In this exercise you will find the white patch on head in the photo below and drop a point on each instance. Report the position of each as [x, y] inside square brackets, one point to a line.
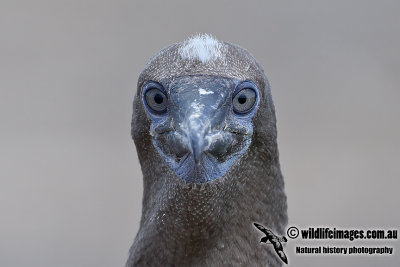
[205, 92]
[202, 47]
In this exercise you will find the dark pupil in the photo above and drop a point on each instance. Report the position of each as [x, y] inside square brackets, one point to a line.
[242, 99]
[158, 98]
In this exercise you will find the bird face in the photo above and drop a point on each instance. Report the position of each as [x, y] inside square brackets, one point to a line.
[200, 124]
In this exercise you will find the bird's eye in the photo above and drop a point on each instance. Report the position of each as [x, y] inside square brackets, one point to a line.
[156, 100]
[244, 100]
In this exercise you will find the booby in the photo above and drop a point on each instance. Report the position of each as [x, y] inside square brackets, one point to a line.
[205, 132]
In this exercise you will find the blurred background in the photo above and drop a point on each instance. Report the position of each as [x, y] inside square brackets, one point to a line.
[70, 182]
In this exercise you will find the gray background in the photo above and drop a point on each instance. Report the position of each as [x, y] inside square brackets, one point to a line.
[70, 183]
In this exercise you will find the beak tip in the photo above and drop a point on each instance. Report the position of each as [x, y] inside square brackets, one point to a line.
[197, 149]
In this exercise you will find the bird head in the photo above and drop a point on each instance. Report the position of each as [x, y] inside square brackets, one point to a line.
[197, 106]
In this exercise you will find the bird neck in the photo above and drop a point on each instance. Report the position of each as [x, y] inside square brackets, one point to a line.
[192, 220]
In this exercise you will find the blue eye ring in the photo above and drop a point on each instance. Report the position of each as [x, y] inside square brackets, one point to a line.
[155, 97]
[244, 98]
